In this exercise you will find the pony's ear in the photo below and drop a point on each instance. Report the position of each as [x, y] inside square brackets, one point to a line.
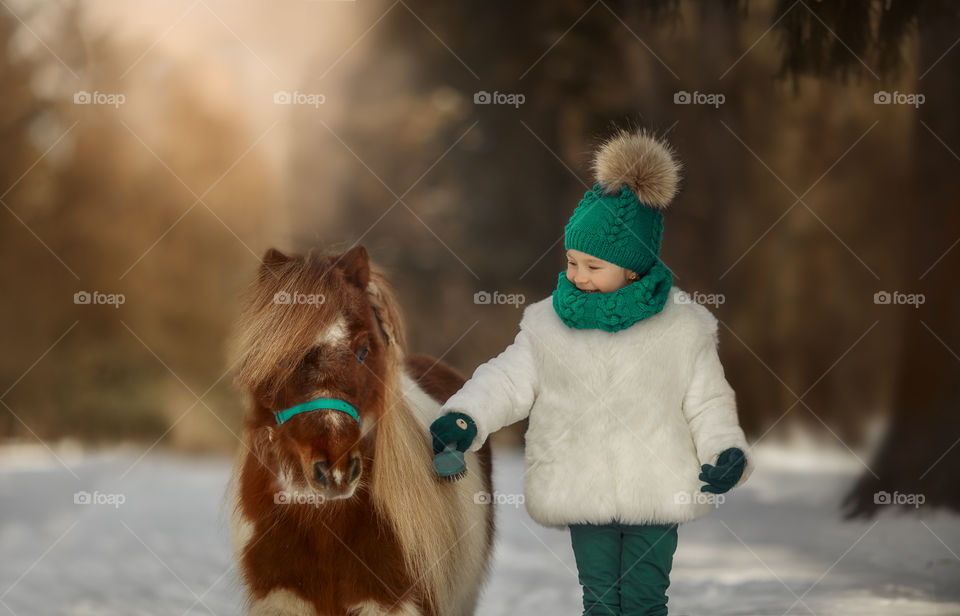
[274, 258]
[356, 266]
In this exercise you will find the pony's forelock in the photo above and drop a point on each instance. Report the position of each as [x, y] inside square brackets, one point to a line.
[273, 334]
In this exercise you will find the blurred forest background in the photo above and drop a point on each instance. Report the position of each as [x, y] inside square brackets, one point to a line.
[804, 195]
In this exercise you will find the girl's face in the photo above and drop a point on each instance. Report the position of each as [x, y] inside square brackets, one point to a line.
[594, 275]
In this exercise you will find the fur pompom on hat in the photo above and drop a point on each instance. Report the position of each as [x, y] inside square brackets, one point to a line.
[620, 220]
[642, 162]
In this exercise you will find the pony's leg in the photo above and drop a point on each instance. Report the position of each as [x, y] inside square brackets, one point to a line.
[281, 602]
[371, 608]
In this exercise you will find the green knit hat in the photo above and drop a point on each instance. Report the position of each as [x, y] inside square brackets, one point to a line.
[620, 219]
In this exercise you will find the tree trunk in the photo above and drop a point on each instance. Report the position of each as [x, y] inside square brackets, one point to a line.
[920, 454]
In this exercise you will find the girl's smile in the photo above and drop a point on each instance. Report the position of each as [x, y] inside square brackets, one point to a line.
[593, 275]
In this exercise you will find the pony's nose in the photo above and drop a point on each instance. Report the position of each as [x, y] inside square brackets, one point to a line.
[355, 469]
[320, 474]
[337, 477]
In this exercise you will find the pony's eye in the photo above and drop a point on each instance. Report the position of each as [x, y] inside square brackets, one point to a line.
[363, 353]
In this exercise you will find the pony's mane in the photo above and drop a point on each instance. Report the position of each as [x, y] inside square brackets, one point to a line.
[385, 305]
[404, 487]
[405, 492]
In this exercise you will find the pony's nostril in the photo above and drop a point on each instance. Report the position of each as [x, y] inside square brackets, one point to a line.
[355, 469]
[320, 473]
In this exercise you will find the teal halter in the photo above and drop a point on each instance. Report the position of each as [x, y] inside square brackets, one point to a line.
[333, 404]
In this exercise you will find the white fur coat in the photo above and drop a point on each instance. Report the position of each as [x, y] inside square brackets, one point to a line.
[620, 422]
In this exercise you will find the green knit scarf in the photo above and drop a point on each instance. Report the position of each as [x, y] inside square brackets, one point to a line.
[616, 310]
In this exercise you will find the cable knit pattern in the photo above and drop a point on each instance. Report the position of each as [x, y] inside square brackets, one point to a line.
[616, 310]
[617, 224]
[616, 227]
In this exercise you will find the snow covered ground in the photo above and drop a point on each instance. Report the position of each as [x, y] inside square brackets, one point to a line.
[154, 541]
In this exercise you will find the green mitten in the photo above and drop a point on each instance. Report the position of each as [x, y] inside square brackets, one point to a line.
[457, 428]
[725, 474]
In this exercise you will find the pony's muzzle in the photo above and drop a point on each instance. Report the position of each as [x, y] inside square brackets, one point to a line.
[337, 478]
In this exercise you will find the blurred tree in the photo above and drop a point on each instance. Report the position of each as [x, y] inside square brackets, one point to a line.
[919, 454]
[915, 456]
[93, 209]
[22, 113]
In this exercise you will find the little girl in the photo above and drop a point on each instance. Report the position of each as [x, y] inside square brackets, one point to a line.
[631, 418]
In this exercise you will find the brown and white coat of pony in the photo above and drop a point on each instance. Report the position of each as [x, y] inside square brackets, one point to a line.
[328, 517]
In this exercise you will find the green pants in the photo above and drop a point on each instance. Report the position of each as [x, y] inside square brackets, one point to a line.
[624, 569]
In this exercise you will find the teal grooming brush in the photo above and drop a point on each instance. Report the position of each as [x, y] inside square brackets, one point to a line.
[452, 435]
[449, 463]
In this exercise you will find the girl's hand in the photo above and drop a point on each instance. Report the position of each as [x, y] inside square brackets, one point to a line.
[725, 474]
[456, 428]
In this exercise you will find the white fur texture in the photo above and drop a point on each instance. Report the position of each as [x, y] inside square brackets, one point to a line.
[335, 335]
[619, 422]
[369, 608]
[281, 602]
[241, 527]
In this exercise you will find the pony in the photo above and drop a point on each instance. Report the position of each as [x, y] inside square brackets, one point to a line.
[334, 505]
